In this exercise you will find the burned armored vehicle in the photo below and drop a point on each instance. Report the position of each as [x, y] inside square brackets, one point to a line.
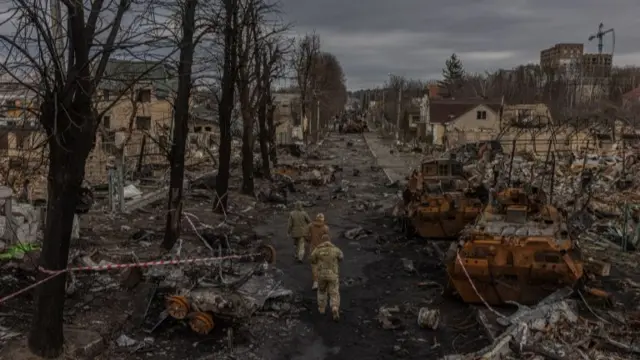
[438, 202]
[237, 298]
[518, 250]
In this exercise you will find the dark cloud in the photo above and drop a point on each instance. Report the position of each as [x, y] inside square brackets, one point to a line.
[373, 38]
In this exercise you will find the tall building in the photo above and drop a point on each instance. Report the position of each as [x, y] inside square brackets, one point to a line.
[561, 57]
[570, 59]
[596, 65]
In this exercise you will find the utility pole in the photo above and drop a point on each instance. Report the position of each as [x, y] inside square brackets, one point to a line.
[317, 120]
[303, 122]
[383, 118]
[399, 112]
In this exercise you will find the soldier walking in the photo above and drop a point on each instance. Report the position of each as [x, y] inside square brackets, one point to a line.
[298, 226]
[327, 257]
[317, 229]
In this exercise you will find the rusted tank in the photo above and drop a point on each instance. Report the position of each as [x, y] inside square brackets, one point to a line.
[356, 127]
[438, 202]
[518, 250]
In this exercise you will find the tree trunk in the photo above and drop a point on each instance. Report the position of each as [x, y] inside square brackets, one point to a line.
[226, 105]
[303, 114]
[273, 154]
[263, 137]
[224, 161]
[247, 157]
[180, 128]
[66, 172]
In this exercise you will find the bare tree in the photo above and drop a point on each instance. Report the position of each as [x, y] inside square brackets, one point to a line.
[226, 100]
[67, 64]
[271, 61]
[305, 55]
[330, 89]
[399, 92]
[181, 123]
[247, 84]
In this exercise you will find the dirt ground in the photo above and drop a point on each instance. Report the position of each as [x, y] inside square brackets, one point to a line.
[381, 269]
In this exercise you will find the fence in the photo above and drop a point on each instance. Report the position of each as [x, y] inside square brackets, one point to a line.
[144, 160]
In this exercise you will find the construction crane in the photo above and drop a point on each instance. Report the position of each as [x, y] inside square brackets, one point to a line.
[600, 35]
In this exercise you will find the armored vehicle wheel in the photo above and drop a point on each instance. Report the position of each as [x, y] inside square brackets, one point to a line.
[449, 289]
[177, 306]
[268, 253]
[409, 230]
[201, 323]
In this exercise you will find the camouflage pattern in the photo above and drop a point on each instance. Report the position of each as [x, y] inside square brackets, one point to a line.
[326, 258]
[329, 291]
[317, 231]
[298, 244]
[298, 226]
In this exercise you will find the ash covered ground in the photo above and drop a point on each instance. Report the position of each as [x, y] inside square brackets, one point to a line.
[382, 273]
[385, 279]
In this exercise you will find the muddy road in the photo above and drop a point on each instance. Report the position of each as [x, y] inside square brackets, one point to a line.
[381, 269]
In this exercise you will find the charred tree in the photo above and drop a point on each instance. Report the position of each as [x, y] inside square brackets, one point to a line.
[248, 78]
[271, 129]
[263, 134]
[273, 66]
[247, 158]
[70, 121]
[304, 57]
[226, 102]
[258, 52]
[181, 125]
[67, 160]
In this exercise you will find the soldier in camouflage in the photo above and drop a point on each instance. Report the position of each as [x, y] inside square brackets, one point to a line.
[326, 258]
[317, 229]
[298, 222]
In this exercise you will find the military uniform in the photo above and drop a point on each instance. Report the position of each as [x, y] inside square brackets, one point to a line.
[327, 257]
[298, 222]
[317, 229]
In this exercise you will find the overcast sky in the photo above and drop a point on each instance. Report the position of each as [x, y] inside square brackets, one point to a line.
[373, 38]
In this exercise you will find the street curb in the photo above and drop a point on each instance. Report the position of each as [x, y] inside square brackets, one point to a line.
[376, 157]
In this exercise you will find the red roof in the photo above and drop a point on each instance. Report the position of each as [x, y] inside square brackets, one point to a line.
[442, 111]
[633, 94]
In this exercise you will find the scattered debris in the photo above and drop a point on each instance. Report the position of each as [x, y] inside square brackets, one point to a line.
[429, 318]
[356, 233]
[387, 320]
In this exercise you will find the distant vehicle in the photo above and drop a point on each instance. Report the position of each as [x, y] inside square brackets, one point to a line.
[438, 202]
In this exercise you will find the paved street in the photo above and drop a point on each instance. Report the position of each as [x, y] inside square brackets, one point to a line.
[396, 165]
[373, 274]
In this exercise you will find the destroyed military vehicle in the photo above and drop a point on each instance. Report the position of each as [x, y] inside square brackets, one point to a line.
[518, 250]
[355, 126]
[438, 202]
[232, 300]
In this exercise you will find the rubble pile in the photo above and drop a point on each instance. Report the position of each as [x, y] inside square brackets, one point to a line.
[596, 199]
[301, 173]
[554, 330]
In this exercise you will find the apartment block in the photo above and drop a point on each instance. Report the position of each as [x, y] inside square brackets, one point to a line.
[561, 56]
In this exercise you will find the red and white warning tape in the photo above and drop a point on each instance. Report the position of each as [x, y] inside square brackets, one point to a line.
[148, 264]
[54, 273]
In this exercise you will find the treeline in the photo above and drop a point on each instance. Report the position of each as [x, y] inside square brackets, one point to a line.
[524, 84]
